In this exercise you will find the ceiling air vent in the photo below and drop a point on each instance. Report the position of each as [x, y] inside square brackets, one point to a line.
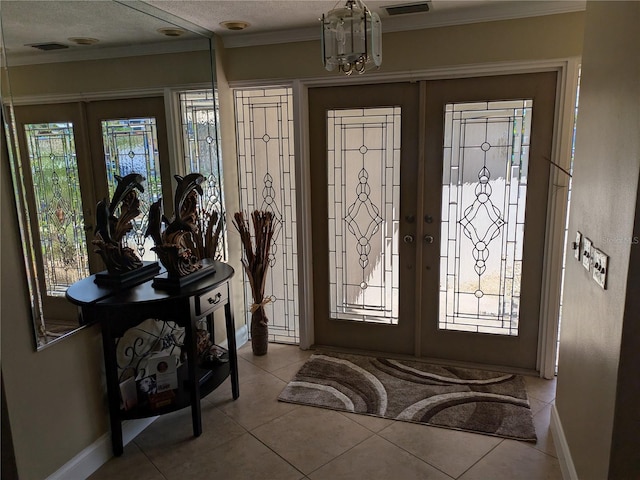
[47, 46]
[417, 7]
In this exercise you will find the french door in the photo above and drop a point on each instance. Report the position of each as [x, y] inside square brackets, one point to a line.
[428, 236]
[75, 151]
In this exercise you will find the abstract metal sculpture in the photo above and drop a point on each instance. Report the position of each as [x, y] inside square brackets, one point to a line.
[111, 230]
[191, 236]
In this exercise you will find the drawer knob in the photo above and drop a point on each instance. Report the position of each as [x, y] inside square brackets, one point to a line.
[214, 300]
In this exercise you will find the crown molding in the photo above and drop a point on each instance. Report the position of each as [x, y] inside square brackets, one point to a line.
[500, 11]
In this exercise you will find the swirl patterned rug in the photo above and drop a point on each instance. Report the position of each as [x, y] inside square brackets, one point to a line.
[459, 398]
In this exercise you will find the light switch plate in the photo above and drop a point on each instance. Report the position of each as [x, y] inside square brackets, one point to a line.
[577, 250]
[586, 253]
[600, 267]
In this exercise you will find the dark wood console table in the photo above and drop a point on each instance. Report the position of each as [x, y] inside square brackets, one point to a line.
[117, 310]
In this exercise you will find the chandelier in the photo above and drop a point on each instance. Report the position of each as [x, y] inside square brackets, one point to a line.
[351, 38]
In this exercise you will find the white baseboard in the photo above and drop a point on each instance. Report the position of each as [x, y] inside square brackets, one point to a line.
[562, 447]
[99, 452]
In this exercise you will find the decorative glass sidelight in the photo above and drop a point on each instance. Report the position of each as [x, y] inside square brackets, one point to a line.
[486, 159]
[58, 205]
[364, 206]
[131, 146]
[200, 119]
[266, 173]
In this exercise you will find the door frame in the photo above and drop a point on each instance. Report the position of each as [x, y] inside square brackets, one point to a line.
[567, 70]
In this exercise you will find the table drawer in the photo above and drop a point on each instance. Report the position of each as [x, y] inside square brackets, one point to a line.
[212, 299]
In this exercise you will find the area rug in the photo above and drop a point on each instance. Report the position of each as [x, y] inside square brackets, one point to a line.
[476, 401]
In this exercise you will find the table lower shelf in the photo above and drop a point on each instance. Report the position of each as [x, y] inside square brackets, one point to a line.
[210, 379]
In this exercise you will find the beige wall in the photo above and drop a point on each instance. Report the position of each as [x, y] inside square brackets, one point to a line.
[130, 73]
[603, 207]
[546, 37]
[67, 412]
[55, 397]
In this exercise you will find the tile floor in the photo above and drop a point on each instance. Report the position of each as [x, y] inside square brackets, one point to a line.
[257, 437]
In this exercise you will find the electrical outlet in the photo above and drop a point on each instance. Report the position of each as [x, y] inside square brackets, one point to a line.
[577, 246]
[586, 253]
[600, 266]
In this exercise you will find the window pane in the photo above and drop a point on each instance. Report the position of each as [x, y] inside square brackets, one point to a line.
[131, 146]
[200, 133]
[54, 169]
[364, 205]
[486, 157]
[266, 168]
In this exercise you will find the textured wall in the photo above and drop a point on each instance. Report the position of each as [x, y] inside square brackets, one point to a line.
[603, 205]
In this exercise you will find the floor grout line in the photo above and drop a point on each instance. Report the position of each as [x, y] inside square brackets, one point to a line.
[482, 457]
[279, 456]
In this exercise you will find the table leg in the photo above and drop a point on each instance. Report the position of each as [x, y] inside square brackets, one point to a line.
[113, 390]
[192, 362]
[231, 342]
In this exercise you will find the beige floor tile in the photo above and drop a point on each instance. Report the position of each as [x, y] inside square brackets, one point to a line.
[542, 420]
[247, 370]
[242, 458]
[512, 460]
[309, 437]
[536, 405]
[258, 402]
[170, 441]
[541, 389]
[451, 451]
[288, 372]
[377, 459]
[132, 464]
[277, 357]
[258, 437]
[375, 424]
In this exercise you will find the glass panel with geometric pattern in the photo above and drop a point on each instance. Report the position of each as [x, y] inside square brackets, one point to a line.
[54, 170]
[266, 175]
[363, 148]
[131, 146]
[200, 133]
[484, 191]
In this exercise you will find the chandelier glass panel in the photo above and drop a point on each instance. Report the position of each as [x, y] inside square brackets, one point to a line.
[351, 38]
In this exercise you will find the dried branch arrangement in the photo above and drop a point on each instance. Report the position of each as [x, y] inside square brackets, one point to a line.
[256, 257]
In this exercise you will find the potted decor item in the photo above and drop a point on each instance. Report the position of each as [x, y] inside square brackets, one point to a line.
[255, 261]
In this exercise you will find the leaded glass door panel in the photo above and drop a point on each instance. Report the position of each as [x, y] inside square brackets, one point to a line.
[53, 142]
[129, 136]
[488, 144]
[364, 159]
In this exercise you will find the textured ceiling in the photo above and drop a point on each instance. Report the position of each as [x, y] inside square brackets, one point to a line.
[133, 23]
